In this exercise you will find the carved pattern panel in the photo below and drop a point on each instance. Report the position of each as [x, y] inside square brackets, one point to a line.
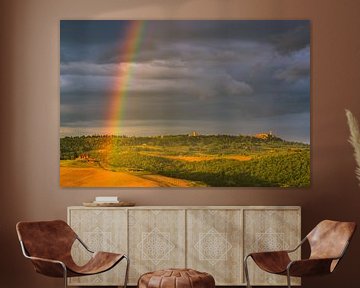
[214, 241]
[270, 230]
[209, 239]
[101, 230]
[157, 240]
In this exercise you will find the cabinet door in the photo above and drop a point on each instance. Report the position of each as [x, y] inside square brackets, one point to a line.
[270, 230]
[156, 240]
[101, 230]
[214, 244]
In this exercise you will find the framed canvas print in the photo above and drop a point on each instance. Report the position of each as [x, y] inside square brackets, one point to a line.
[215, 103]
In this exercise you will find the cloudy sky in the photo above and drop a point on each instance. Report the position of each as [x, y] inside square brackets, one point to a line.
[214, 77]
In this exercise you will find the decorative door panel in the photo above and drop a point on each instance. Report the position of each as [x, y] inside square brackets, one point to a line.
[101, 230]
[270, 230]
[156, 240]
[214, 244]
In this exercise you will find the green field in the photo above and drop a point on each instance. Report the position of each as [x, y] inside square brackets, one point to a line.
[205, 160]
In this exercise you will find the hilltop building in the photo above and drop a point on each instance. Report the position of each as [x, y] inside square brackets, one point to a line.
[264, 136]
[194, 134]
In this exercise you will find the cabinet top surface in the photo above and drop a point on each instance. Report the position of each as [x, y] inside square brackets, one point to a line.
[192, 207]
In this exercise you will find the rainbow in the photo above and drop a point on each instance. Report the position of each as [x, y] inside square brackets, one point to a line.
[132, 41]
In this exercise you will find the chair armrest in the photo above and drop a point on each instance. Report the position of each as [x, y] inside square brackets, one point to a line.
[84, 245]
[280, 251]
[271, 261]
[268, 254]
[298, 246]
[309, 267]
[45, 260]
[48, 267]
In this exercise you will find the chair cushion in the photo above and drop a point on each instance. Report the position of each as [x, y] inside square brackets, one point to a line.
[176, 278]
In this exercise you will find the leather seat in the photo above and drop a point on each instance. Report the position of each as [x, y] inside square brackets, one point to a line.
[48, 245]
[328, 242]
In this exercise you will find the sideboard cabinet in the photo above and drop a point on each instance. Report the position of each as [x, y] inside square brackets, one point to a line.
[211, 239]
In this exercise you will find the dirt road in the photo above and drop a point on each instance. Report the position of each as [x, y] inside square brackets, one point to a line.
[98, 177]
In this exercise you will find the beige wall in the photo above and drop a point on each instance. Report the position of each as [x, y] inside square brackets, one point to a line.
[29, 119]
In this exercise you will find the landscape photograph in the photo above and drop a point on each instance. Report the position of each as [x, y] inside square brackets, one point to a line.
[185, 103]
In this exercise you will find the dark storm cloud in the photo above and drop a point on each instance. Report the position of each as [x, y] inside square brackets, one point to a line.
[81, 108]
[102, 40]
[253, 73]
[86, 39]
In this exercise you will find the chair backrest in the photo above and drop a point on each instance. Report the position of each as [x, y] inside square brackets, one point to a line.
[46, 239]
[329, 239]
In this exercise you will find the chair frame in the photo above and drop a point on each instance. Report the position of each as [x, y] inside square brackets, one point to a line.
[26, 255]
[288, 276]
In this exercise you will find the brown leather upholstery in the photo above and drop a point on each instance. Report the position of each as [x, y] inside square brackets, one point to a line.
[53, 240]
[328, 242]
[272, 262]
[176, 278]
[328, 239]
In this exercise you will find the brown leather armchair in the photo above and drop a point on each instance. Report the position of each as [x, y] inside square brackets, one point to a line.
[48, 245]
[328, 242]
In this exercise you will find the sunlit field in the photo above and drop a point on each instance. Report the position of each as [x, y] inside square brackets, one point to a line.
[183, 161]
